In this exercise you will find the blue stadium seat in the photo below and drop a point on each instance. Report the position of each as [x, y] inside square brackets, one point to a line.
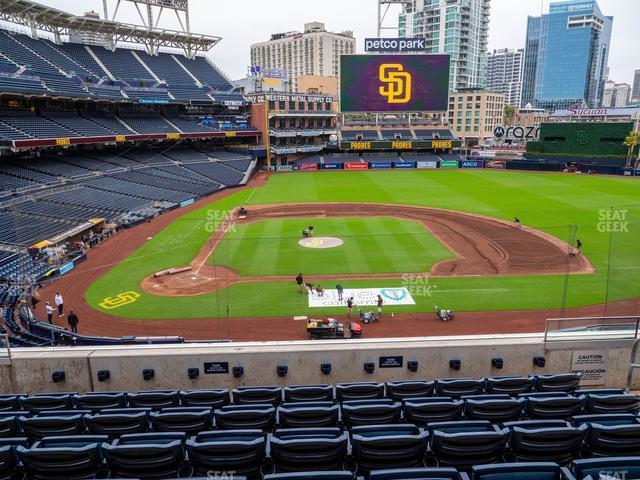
[240, 451]
[308, 393]
[96, 401]
[518, 471]
[459, 387]
[509, 385]
[115, 423]
[257, 395]
[616, 467]
[308, 449]
[545, 441]
[210, 398]
[421, 411]
[416, 474]
[190, 420]
[407, 390]
[371, 412]
[234, 417]
[359, 391]
[308, 414]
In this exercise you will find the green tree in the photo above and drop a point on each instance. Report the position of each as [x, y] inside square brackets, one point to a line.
[509, 115]
[632, 141]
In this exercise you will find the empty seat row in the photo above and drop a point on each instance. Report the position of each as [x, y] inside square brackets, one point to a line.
[448, 450]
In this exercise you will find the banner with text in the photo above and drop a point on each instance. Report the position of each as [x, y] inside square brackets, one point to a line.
[362, 297]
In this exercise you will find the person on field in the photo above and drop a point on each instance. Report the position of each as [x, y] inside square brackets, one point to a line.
[320, 291]
[517, 224]
[579, 246]
[72, 320]
[350, 304]
[49, 309]
[309, 287]
[380, 302]
[59, 303]
[340, 291]
[300, 282]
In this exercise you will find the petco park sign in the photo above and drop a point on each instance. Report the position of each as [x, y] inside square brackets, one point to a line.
[395, 45]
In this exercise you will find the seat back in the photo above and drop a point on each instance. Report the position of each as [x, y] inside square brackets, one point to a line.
[462, 450]
[100, 401]
[617, 403]
[8, 462]
[371, 412]
[40, 403]
[553, 407]
[496, 411]
[10, 403]
[240, 451]
[50, 426]
[308, 414]
[421, 411]
[509, 385]
[154, 399]
[612, 440]
[359, 391]
[145, 456]
[233, 417]
[400, 391]
[257, 396]
[116, 424]
[415, 474]
[459, 387]
[518, 471]
[212, 398]
[554, 444]
[377, 447]
[189, 422]
[616, 467]
[9, 425]
[67, 462]
[308, 393]
[562, 382]
[300, 449]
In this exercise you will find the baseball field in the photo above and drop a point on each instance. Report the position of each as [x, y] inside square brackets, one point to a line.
[447, 237]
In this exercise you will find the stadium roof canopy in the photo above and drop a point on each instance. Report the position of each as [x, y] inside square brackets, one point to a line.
[49, 19]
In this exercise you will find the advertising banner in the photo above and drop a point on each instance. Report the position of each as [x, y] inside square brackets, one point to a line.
[286, 168]
[187, 202]
[404, 165]
[67, 267]
[308, 166]
[331, 166]
[394, 83]
[356, 166]
[374, 165]
[499, 164]
[449, 164]
[428, 164]
[473, 164]
[362, 297]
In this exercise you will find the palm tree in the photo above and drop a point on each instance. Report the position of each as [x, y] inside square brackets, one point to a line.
[632, 140]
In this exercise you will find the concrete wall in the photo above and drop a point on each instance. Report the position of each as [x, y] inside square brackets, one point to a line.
[30, 370]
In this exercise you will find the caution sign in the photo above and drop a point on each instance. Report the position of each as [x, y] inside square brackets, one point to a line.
[592, 364]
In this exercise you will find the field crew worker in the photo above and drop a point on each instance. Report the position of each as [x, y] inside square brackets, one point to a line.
[72, 320]
[300, 282]
[380, 302]
[49, 309]
[349, 307]
[59, 303]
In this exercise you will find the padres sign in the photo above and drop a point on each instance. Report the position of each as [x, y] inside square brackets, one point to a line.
[396, 83]
[119, 300]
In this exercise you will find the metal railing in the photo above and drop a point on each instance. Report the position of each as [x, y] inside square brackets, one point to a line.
[5, 350]
[591, 328]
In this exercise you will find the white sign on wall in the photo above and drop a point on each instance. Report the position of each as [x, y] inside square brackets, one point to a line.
[362, 297]
[592, 364]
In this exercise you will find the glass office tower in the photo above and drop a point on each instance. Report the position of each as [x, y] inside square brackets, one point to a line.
[566, 57]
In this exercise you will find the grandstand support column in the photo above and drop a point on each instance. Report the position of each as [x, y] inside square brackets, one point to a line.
[267, 140]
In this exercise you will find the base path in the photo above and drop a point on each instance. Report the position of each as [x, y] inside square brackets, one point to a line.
[482, 245]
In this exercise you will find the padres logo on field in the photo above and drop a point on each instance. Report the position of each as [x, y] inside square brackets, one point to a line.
[397, 82]
[119, 300]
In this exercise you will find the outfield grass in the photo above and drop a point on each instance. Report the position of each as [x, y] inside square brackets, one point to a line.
[566, 206]
[371, 245]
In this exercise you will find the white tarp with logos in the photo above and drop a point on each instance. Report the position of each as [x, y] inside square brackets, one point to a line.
[592, 364]
[362, 297]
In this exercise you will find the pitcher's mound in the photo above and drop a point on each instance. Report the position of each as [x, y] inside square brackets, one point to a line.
[321, 242]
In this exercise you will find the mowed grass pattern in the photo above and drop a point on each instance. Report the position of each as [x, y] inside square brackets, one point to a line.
[371, 245]
[566, 206]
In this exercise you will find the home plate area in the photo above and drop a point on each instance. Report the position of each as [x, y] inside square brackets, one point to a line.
[361, 297]
[321, 242]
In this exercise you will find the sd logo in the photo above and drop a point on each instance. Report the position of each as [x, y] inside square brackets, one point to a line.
[398, 83]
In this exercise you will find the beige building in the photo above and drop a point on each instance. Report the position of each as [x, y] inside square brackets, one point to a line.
[314, 52]
[473, 115]
[318, 84]
[530, 117]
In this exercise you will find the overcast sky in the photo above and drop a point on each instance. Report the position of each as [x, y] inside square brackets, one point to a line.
[243, 22]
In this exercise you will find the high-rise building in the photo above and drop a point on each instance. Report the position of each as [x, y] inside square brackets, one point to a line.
[635, 93]
[473, 115]
[504, 74]
[314, 52]
[566, 56]
[457, 27]
[616, 95]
